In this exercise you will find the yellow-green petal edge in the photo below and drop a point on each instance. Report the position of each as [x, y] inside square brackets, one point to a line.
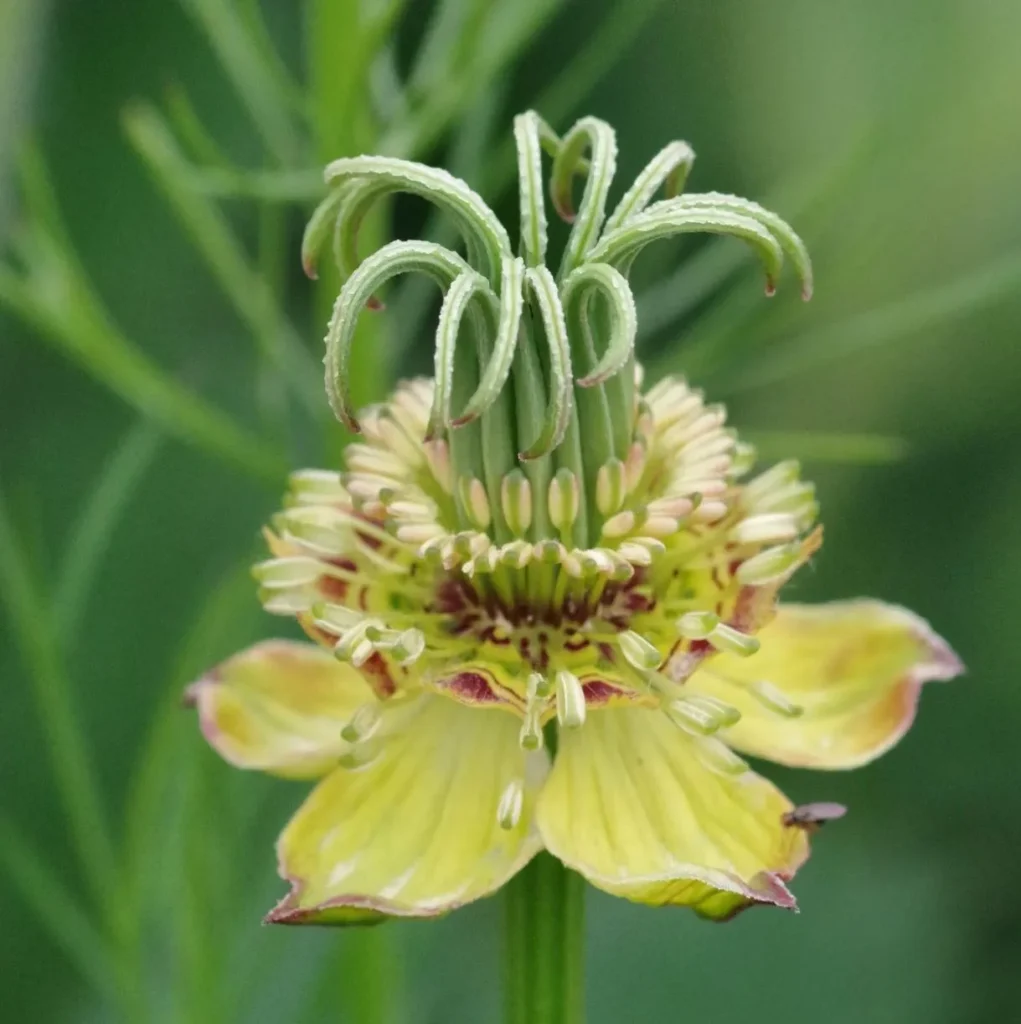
[632, 805]
[414, 832]
[855, 668]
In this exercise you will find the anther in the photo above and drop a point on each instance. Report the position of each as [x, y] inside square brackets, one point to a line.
[564, 496]
[703, 715]
[769, 566]
[364, 722]
[296, 571]
[610, 487]
[638, 651]
[516, 500]
[570, 700]
[743, 459]
[361, 754]
[718, 757]
[316, 486]
[731, 641]
[475, 501]
[619, 525]
[774, 479]
[512, 800]
[774, 700]
[766, 528]
[697, 625]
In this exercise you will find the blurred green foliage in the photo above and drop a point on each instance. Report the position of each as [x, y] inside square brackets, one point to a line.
[887, 132]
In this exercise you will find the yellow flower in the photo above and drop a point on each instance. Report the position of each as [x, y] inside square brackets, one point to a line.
[560, 649]
[458, 651]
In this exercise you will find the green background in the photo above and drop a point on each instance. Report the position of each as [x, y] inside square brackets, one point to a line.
[888, 132]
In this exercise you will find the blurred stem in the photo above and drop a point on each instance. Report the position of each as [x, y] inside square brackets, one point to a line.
[544, 914]
[340, 48]
[69, 757]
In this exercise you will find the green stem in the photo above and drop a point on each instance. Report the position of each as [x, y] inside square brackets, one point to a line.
[544, 933]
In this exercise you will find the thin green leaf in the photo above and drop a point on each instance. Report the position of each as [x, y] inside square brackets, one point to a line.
[476, 220]
[582, 72]
[509, 27]
[393, 259]
[93, 530]
[209, 638]
[620, 247]
[285, 187]
[889, 323]
[64, 310]
[256, 80]
[33, 627]
[819, 446]
[542, 287]
[600, 139]
[59, 913]
[197, 140]
[209, 230]
[613, 286]
[669, 169]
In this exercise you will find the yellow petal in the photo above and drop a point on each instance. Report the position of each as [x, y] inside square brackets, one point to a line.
[280, 707]
[631, 805]
[414, 832]
[854, 667]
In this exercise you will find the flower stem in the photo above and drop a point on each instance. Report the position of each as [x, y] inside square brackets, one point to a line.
[544, 909]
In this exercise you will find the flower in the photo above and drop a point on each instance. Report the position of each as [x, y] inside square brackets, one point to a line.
[545, 606]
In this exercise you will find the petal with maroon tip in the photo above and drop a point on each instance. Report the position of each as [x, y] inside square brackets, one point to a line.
[832, 686]
[279, 707]
[416, 831]
[633, 806]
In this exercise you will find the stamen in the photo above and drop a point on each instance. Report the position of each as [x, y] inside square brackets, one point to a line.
[530, 737]
[570, 700]
[773, 480]
[703, 715]
[638, 651]
[697, 625]
[718, 757]
[361, 754]
[295, 571]
[731, 641]
[774, 700]
[743, 459]
[437, 455]
[610, 487]
[516, 500]
[564, 502]
[768, 528]
[769, 566]
[512, 800]
[316, 486]
[475, 502]
[364, 722]
[620, 524]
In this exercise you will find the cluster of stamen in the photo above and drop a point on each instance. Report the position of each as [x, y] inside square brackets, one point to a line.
[373, 562]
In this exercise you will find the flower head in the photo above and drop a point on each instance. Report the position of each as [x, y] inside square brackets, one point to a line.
[545, 602]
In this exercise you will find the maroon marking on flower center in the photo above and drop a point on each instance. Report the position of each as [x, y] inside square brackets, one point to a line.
[471, 687]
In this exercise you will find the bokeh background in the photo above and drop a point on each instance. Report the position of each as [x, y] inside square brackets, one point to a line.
[151, 333]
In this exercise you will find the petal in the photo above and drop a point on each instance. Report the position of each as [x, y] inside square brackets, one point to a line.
[415, 831]
[632, 805]
[280, 707]
[855, 667]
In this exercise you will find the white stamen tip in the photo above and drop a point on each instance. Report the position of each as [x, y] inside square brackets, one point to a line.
[512, 800]
[570, 700]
